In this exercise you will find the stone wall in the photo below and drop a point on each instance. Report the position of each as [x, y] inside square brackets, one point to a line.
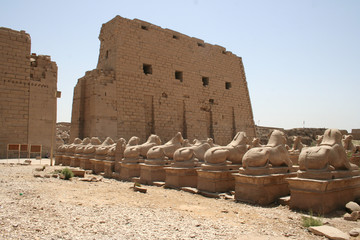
[28, 87]
[153, 80]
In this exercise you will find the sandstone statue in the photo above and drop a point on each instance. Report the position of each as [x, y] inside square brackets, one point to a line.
[329, 155]
[104, 147]
[117, 149]
[137, 151]
[133, 141]
[347, 143]
[80, 148]
[255, 143]
[92, 146]
[193, 153]
[297, 146]
[70, 149]
[168, 149]
[274, 154]
[233, 152]
[319, 139]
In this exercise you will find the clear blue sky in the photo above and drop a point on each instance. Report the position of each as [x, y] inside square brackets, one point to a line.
[301, 57]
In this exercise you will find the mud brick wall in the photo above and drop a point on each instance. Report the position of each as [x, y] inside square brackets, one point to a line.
[28, 84]
[163, 82]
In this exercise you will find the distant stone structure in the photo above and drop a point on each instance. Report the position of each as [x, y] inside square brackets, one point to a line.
[151, 80]
[28, 90]
[355, 133]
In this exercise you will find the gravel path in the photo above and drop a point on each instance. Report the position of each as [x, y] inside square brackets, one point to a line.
[51, 208]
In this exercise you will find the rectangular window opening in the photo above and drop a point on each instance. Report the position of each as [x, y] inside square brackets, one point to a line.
[143, 27]
[147, 68]
[201, 44]
[179, 75]
[205, 81]
[175, 37]
[228, 85]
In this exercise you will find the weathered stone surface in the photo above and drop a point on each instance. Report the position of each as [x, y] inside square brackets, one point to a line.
[329, 232]
[354, 232]
[352, 206]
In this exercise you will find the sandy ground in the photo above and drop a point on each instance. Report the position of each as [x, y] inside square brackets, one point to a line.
[51, 208]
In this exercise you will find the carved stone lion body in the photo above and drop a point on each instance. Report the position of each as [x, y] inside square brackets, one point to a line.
[168, 149]
[233, 152]
[329, 155]
[274, 153]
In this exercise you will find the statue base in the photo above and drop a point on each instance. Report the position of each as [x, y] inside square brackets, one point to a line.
[58, 159]
[215, 181]
[151, 173]
[74, 161]
[109, 168]
[323, 196]
[117, 166]
[263, 189]
[180, 177]
[85, 163]
[66, 160]
[97, 166]
[129, 170]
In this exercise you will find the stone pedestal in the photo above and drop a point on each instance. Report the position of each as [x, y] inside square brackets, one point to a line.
[58, 159]
[117, 166]
[97, 166]
[180, 177]
[151, 173]
[108, 168]
[263, 189]
[66, 160]
[129, 170]
[323, 196]
[215, 181]
[72, 161]
[85, 163]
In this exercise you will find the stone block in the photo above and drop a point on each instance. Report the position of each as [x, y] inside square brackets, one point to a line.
[151, 173]
[180, 177]
[58, 159]
[323, 196]
[97, 166]
[85, 163]
[262, 190]
[129, 170]
[66, 160]
[215, 181]
[78, 172]
[109, 169]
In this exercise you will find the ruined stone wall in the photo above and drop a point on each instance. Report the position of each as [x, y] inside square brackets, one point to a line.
[27, 93]
[166, 82]
[94, 105]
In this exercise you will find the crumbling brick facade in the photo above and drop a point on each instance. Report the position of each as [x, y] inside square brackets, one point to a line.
[153, 80]
[28, 87]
